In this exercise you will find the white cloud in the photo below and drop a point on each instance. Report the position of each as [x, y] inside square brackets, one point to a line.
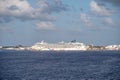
[45, 25]
[21, 9]
[108, 21]
[15, 8]
[99, 10]
[85, 19]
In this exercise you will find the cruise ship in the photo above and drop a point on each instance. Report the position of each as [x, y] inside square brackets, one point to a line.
[61, 46]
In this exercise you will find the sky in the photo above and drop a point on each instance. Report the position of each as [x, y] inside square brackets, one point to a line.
[25, 22]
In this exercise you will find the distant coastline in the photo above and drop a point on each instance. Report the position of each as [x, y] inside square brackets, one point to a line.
[61, 46]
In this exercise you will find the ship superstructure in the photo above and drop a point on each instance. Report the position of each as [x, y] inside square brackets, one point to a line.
[43, 46]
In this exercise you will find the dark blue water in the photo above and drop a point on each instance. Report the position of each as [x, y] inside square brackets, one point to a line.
[84, 65]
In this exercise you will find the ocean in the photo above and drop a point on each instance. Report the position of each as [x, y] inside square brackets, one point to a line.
[59, 65]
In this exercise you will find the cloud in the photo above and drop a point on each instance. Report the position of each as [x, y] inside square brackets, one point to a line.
[85, 19]
[22, 10]
[45, 25]
[114, 2]
[108, 21]
[14, 9]
[52, 5]
[99, 9]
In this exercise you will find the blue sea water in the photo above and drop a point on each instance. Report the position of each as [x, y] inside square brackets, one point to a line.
[62, 65]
